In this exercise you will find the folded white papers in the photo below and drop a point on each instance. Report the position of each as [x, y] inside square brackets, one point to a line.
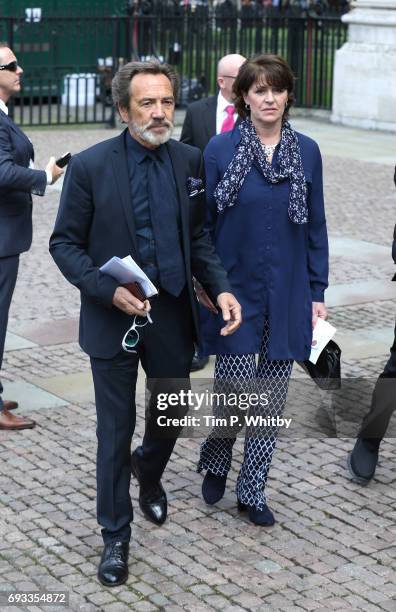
[126, 270]
[322, 333]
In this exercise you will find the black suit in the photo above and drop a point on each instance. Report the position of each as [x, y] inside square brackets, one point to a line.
[383, 402]
[96, 221]
[200, 122]
[17, 183]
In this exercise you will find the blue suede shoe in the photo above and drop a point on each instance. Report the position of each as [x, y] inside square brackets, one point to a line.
[262, 517]
[213, 487]
[363, 459]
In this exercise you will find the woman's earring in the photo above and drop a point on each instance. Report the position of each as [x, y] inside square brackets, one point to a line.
[247, 107]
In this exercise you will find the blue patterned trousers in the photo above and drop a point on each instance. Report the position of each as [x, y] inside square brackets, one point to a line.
[240, 374]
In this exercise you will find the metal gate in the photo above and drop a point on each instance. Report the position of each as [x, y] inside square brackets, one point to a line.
[69, 61]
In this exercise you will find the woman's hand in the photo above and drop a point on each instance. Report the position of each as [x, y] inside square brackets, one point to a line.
[203, 297]
[319, 311]
[231, 310]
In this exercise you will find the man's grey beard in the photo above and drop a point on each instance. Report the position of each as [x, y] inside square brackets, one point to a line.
[144, 132]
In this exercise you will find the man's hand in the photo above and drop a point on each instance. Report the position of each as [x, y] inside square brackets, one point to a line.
[318, 312]
[231, 311]
[203, 297]
[54, 170]
[128, 303]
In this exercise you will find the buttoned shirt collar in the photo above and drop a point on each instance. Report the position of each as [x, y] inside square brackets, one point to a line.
[3, 106]
[140, 152]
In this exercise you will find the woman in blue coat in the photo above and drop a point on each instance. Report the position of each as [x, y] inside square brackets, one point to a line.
[266, 215]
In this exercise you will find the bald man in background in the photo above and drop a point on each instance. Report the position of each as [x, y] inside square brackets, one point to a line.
[210, 116]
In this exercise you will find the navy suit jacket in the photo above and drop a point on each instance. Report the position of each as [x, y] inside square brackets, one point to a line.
[17, 183]
[95, 222]
[200, 122]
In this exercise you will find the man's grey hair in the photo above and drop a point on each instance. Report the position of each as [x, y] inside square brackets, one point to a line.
[120, 86]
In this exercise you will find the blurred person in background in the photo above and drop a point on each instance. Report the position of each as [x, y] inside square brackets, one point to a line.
[363, 459]
[210, 116]
[216, 114]
[18, 181]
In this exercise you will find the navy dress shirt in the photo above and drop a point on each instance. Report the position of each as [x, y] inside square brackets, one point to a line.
[139, 160]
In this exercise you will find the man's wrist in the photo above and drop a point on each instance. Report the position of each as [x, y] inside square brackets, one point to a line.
[49, 177]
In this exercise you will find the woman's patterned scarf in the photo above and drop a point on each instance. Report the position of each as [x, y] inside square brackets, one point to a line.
[290, 167]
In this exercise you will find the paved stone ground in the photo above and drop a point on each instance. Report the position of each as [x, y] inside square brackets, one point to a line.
[333, 546]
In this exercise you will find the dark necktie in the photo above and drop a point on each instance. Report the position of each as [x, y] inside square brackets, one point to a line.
[163, 210]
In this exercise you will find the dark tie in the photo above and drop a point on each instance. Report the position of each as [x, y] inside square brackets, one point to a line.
[164, 214]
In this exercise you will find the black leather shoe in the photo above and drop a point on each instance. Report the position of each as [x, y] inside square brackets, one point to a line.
[113, 566]
[363, 459]
[152, 498]
[263, 517]
[198, 363]
[213, 487]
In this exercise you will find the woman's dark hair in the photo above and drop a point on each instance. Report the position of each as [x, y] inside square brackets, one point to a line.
[277, 73]
[120, 84]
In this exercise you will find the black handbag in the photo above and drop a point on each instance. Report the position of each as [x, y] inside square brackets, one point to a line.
[326, 372]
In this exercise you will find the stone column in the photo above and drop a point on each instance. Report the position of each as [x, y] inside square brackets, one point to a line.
[364, 90]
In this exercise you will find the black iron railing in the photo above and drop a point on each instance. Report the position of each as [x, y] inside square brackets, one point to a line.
[69, 62]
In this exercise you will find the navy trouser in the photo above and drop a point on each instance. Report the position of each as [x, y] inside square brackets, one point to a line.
[8, 277]
[383, 402]
[165, 351]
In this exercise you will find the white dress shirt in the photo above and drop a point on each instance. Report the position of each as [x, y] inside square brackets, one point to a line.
[221, 114]
[3, 106]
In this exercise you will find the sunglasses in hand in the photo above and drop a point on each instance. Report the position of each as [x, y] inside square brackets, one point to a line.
[132, 337]
[12, 66]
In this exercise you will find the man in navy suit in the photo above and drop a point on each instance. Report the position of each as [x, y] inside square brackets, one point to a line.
[18, 181]
[140, 194]
[210, 116]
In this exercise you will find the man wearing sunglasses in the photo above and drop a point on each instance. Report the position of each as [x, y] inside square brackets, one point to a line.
[140, 194]
[18, 181]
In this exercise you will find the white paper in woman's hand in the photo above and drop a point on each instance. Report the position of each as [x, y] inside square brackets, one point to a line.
[322, 333]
